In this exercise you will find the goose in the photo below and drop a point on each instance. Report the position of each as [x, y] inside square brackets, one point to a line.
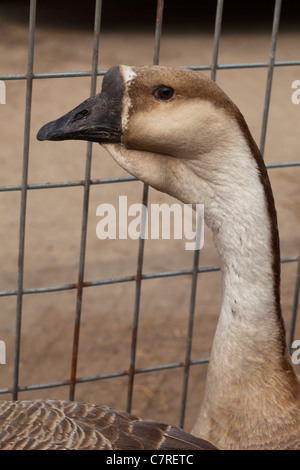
[177, 131]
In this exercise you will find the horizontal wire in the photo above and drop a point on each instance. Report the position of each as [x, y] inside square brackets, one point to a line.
[243, 65]
[283, 164]
[116, 280]
[88, 73]
[67, 184]
[110, 375]
[120, 179]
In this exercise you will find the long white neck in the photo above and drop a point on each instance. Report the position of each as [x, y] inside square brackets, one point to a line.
[250, 329]
[251, 383]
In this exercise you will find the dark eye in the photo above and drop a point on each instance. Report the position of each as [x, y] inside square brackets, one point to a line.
[163, 93]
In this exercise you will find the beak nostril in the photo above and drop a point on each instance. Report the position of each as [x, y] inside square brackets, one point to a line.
[80, 114]
[104, 134]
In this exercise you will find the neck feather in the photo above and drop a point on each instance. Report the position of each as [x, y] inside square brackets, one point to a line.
[248, 243]
[245, 233]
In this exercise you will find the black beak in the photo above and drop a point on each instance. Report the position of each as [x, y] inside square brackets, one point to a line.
[98, 119]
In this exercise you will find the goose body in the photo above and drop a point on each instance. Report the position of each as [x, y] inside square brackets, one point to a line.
[177, 131]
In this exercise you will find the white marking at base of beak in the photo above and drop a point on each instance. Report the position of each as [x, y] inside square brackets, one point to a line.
[128, 75]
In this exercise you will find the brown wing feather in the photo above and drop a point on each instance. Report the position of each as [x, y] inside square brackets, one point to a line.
[49, 424]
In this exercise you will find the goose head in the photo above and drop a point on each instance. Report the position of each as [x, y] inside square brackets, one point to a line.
[172, 128]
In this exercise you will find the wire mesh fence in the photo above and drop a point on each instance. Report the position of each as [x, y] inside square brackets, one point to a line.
[139, 277]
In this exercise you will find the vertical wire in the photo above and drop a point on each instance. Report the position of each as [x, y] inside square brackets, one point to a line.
[29, 78]
[217, 34]
[275, 29]
[295, 306]
[97, 23]
[190, 329]
[138, 276]
[138, 280]
[158, 28]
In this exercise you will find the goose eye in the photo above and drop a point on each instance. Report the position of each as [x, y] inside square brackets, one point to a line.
[163, 93]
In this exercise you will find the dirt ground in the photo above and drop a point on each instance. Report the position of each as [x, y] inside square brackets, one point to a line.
[53, 222]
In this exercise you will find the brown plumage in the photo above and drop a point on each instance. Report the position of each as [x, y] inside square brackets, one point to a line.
[62, 425]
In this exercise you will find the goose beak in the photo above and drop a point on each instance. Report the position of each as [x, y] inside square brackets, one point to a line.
[97, 119]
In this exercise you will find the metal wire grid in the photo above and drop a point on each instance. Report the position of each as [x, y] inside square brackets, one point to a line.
[87, 182]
